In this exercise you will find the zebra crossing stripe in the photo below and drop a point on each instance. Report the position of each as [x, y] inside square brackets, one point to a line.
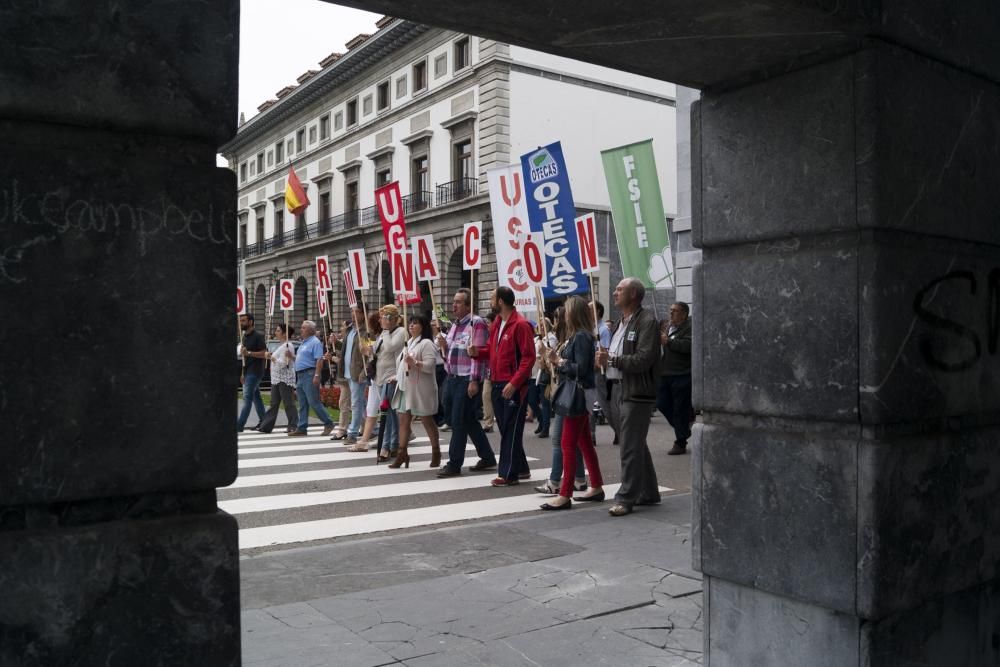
[269, 503]
[272, 479]
[275, 461]
[307, 531]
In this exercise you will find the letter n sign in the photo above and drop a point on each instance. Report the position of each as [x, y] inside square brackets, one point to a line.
[533, 258]
[586, 237]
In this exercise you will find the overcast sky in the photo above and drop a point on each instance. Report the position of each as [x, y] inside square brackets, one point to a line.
[281, 39]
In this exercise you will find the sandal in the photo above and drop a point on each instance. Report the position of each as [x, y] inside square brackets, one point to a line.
[500, 481]
[619, 510]
[358, 447]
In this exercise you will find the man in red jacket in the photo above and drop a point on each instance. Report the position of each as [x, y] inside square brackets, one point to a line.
[512, 356]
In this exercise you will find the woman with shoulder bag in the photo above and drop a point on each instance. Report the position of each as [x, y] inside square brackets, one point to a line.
[371, 403]
[390, 344]
[575, 367]
[416, 390]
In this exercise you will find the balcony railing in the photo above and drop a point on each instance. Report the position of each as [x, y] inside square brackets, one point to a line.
[446, 193]
[457, 190]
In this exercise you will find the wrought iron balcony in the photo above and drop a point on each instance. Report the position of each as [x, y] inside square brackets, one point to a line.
[457, 190]
[417, 201]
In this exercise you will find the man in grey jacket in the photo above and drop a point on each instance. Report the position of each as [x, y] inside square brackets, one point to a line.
[632, 364]
[674, 399]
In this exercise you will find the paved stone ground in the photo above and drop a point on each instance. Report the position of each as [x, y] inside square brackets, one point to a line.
[568, 588]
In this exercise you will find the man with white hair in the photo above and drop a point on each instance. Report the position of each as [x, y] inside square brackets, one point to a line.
[308, 369]
[632, 364]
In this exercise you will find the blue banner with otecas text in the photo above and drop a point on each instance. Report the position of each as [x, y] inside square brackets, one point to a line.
[551, 211]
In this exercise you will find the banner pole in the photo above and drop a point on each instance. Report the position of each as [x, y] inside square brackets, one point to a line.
[434, 308]
[653, 293]
[242, 340]
[593, 307]
[541, 313]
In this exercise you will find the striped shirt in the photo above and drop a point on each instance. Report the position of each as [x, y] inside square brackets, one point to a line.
[470, 330]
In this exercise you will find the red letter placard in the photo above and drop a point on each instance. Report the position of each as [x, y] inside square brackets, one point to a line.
[533, 258]
[359, 268]
[323, 281]
[241, 300]
[403, 282]
[270, 300]
[321, 302]
[586, 237]
[472, 245]
[390, 211]
[286, 290]
[352, 297]
[425, 258]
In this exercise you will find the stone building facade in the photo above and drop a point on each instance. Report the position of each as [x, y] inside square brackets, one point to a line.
[434, 110]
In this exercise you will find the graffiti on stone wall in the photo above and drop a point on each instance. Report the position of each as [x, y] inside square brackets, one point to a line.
[962, 341]
[53, 214]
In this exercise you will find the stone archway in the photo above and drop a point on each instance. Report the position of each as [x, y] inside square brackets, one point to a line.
[844, 177]
[303, 304]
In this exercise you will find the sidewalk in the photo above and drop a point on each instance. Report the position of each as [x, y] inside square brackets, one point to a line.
[567, 588]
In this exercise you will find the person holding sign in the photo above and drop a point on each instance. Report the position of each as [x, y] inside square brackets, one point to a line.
[674, 399]
[416, 390]
[282, 382]
[308, 369]
[254, 351]
[632, 365]
[386, 350]
[512, 356]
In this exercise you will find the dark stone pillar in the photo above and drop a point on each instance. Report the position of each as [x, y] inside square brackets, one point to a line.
[849, 469]
[117, 265]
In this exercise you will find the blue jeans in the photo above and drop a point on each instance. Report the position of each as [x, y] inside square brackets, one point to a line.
[309, 398]
[463, 413]
[251, 396]
[539, 405]
[557, 456]
[390, 439]
[358, 404]
[674, 401]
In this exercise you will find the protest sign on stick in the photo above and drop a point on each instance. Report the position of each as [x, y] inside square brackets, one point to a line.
[286, 299]
[472, 251]
[426, 263]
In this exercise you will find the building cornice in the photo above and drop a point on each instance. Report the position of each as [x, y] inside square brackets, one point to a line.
[459, 118]
[370, 53]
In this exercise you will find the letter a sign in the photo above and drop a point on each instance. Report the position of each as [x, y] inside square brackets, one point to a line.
[472, 246]
[286, 292]
[533, 258]
[586, 237]
[241, 300]
[426, 260]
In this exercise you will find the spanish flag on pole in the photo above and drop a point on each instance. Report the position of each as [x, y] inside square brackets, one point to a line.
[295, 195]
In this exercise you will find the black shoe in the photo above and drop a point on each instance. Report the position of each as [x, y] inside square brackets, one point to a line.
[654, 501]
[564, 506]
[615, 441]
[595, 498]
[543, 434]
[448, 471]
[678, 448]
[482, 465]
[524, 475]
[538, 430]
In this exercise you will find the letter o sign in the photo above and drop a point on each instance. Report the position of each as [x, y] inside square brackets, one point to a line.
[534, 259]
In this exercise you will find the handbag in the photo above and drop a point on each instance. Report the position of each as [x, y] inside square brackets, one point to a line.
[570, 399]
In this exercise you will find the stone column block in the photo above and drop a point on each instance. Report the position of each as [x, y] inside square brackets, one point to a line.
[116, 270]
[161, 67]
[779, 511]
[133, 592]
[794, 303]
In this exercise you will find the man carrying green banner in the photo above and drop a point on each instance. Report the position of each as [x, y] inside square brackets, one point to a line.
[637, 207]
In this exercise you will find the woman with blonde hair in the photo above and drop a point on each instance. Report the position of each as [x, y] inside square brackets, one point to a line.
[372, 401]
[386, 350]
[416, 390]
[575, 367]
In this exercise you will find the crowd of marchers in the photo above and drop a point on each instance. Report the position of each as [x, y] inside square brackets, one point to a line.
[466, 374]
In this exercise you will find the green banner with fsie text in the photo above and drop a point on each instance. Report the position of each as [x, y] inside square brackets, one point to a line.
[640, 224]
